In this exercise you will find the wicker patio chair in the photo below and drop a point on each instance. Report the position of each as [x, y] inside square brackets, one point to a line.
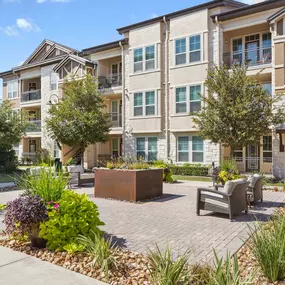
[255, 189]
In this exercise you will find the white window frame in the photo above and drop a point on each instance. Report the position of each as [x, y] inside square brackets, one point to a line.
[175, 54]
[146, 145]
[188, 101]
[187, 38]
[144, 105]
[192, 51]
[53, 76]
[181, 102]
[144, 61]
[12, 84]
[267, 151]
[190, 150]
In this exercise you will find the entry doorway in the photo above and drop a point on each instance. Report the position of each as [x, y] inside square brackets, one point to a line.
[252, 155]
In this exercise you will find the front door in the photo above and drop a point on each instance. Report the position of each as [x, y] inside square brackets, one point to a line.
[32, 146]
[252, 158]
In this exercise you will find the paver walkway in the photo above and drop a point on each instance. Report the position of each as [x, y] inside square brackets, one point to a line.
[172, 219]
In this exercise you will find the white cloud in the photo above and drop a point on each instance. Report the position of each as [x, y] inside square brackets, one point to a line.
[26, 25]
[250, 2]
[10, 31]
[23, 25]
[54, 1]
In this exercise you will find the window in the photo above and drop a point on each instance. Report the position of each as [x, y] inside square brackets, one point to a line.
[238, 154]
[144, 59]
[181, 105]
[138, 104]
[138, 60]
[188, 101]
[115, 148]
[280, 27]
[195, 98]
[266, 48]
[190, 149]
[114, 115]
[237, 51]
[195, 48]
[147, 148]
[197, 149]
[12, 87]
[144, 104]
[149, 58]
[180, 51]
[53, 81]
[267, 149]
[267, 87]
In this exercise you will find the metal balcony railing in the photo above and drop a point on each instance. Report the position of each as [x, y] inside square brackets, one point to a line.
[106, 82]
[250, 57]
[31, 96]
[34, 126]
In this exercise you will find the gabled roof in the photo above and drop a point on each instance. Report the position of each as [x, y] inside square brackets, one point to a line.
[115, 44]
[248, 10]
[72, 57]
[207, 5]
[276, 15]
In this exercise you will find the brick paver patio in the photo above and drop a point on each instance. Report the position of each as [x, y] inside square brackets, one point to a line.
[172, 219]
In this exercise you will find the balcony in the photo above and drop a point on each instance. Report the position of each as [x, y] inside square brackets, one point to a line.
[107, 82]
[250, 57]
[34, 126]
[116, 120]
[29, 96]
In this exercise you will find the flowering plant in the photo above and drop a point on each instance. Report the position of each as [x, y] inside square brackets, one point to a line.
[225, 176]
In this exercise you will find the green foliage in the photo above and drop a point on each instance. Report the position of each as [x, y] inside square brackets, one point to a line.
[201, 275]
[228, 272]
[268, 247]
[2, 207]
[191, 170]
[47, 185]
[102, 251]
[73, 247]
[166, 271]
[168, 176]
[12, 127]
[8, 160]
[70, 161]
[71, 216]
[238, 111]
[43, 157]
[225, 176]
[127, 164]
[79, 119]
[229, 165]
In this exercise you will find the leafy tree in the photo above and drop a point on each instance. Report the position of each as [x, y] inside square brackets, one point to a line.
[78, 119]
[237, 110]
[12, 128]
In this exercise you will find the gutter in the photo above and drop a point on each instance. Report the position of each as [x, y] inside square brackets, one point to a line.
[123, 97]
[166, 45]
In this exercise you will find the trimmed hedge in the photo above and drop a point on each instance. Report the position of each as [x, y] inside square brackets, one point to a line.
[190, 170]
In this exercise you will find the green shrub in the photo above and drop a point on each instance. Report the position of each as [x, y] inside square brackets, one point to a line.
[101, 250]
[268, 247]
[191, 170]
[201, 275]
[229, 165]
[2, 207]
[228, 272]
[166, 271]
[47, 185]
[225, 176]
[71, 216]
[8, 160]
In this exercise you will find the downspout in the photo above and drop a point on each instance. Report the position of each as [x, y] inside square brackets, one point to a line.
[123, 98]
[166, 45]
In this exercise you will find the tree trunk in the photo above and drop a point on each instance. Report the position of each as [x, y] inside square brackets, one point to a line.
[82, 157]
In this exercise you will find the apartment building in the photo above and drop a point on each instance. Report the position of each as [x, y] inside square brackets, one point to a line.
[151, 81]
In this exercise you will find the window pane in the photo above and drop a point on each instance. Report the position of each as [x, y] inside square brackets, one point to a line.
[149, 98]
[138, 99]
[140, 144]
[183, 144]
[149, 110]
[183, 156]
[114, 106]
[237, 45]
[197, 144]
[195, 106]
[138, 54]
[197, 157]
[181, 94]
[149, 64]
[181, 108]
[138, 111]
[152, 144]
[149, 52]
[180, 46]
[180, 59]
[267, 157]
[267, 143]
[141, 155]
[152, 156]
[195, 43]
[138, 66]
[267, 87]
[195, 93]
[195, 56]
[266, 40]
[115, 144]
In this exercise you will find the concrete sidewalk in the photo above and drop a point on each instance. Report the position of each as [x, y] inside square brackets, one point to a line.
[18, 268]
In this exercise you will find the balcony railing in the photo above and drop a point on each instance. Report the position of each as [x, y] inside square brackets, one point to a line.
[34, 126]
[31, 96]
[250, 57]
[106, 82]
[116, 120]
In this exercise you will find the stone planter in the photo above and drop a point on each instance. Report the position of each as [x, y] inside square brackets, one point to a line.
[128, 185]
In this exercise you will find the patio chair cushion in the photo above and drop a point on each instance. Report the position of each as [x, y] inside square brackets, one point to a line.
[231, 185]
[214, 202]
[252, 179]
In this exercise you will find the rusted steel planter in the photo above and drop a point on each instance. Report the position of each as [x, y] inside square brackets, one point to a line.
[128, 185]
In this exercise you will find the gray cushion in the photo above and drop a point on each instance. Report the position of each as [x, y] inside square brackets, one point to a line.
[252, 179]
[231, 185]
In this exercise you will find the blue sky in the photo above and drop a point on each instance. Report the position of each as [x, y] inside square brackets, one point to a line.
[75, 23]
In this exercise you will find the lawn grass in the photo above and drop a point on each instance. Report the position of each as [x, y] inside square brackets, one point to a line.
[192, 178]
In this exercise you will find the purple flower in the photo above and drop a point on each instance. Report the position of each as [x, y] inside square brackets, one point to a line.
[56, 206]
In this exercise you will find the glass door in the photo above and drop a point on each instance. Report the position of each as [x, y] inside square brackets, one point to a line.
[252, 51]
[32, 146]
[252, 158]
